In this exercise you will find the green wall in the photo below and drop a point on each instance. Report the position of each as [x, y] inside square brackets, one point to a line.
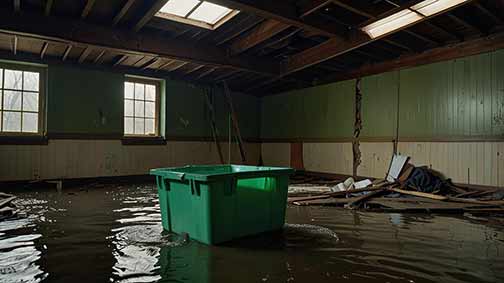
[457, 98]
[90, 102]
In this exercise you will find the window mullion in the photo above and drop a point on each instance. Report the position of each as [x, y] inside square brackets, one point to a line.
[193, 9]
[22, 96]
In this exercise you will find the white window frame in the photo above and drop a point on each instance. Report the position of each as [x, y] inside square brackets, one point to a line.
[42, 70]
[157, 120]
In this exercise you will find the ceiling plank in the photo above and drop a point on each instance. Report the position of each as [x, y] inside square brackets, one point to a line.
[313, 7]
[99, 58]
[122, 12]
[121, 41]
[149, 14]
[44, 49]
[260, 33]
[87, 8]
[149, 63]
[67, 51]
[335, 47]
[487, 12]
[48, 7]
[120, 60]
[85, 54]
[281, 11]
[194, 69]
[444, 53]
[175, 65]
[17, 6]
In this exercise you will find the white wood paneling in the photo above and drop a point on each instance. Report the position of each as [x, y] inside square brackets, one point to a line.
[328, 157]
[62, 159]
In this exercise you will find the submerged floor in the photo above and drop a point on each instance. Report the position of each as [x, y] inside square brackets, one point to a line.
[113, 234]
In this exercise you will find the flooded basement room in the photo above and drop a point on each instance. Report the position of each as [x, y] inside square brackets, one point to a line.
[216, 141]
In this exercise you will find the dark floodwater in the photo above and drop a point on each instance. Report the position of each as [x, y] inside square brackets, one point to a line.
[113, 234]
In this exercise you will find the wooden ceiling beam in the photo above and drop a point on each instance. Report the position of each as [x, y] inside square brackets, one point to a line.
[175, 65]
[67, 51]
[85, 54]
[44, 50]
[149, 14]
[117, 18]
[259, 34]
[335, 47]
[149, 64]
[17, 6]
[314, 6]
[77, 32]
[99, 58]
[87, 8]
[465, 23]
[489, 14]
[48, 7]
[281, 11]
[120, 60]
[205, 73]
[198, 67]
[439, 54]
[233, 31]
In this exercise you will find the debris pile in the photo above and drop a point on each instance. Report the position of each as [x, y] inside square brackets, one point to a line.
[7, 209]
[406, 188]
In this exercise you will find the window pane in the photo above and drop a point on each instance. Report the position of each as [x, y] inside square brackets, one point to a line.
[12, 100]
[139, 108]
[209, 13]
[150, 92]
[179, 7]
[128, 126]
[128, 90]
[139, 91]
[150, 109]
[11, 121]
[139, 126]
[30, 122]
[30, 101]
[128, 107]
[13, 79]
[150, 127]
[31, 81]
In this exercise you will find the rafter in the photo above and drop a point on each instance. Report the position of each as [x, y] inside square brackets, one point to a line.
[121, 41]
[313, 7]
[149, 14]
[489, 14]
[149, 64]
[260, 33]
[463, 22]
[43, 50]
[122, 12]
[87, 8]
[48, 7]
[67, 51]
[194, 69]
[121, 59]
[84, 54]
[205, 73]
[99, 58]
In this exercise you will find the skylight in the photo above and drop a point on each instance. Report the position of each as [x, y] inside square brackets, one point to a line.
[199, 13]
[409, 16]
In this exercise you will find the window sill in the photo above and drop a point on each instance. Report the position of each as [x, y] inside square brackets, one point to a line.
[23, 140]
[143, 141]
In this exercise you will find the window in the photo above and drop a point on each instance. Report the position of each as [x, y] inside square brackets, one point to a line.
[194, 12]
[141, 107]
[20, 101]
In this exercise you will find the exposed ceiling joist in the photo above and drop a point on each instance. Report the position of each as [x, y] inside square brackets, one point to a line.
[121, 59]
[67, 51]
[313, 7]
[490, 14]
[194, 69]
[149, 14]
[149, 64]
[260, 33]
[44, 49]
[281, 11]
[48, 7]
[85, 54]
[444, 53]
[465, 23]
[335, 47]
[122, 12]
[17, 6]
[87, 8]
[99, 58]
[122, 41]
[205, 73]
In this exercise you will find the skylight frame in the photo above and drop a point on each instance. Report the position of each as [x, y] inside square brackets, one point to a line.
[186, 20]
[441, 5]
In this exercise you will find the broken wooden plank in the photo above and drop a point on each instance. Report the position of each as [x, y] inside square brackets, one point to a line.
[334, 194]
[6, 201]
[474, 201]
[419, 194]
[327, 202]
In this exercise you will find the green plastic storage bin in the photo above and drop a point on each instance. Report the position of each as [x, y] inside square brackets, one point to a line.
[215, 204]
